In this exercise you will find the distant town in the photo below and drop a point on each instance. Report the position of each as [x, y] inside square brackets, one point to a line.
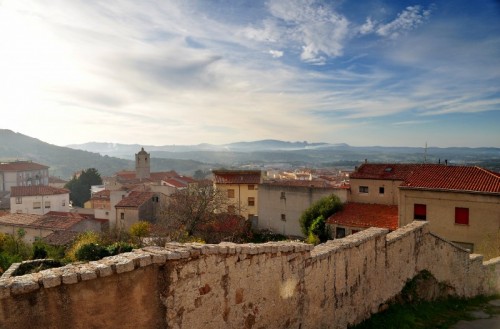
[461, 203]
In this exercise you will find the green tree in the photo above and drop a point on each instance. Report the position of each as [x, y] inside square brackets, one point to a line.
[80, 186]
[313, 219]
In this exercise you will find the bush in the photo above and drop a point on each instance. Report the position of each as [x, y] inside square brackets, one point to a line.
[39, 252]
[91, 251]
[119, 247]
[314, 218]
[82, 239]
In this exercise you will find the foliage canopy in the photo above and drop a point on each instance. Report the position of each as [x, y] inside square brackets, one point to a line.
[80, 186]
[313, 219]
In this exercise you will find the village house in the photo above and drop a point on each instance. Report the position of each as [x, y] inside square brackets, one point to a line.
[241, 187]
[355, 217]
[283, 202]
[38, 199]
[40, 226]
[461, 203]
[22, 173]
[136, 206]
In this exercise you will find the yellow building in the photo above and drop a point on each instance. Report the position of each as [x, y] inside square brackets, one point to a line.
[242, 190]
[461, 204]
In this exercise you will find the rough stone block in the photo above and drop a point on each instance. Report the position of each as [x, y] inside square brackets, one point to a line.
[69, 278]
[159, 259]
[23, 285]
[124, 265]
[50, 279]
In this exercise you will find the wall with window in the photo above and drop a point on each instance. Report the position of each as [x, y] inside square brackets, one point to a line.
[281, 206]
[464, 218]
[39, 204]
[243, 198]
[374, 191]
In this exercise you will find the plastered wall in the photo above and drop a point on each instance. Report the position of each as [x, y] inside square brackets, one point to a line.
[272, 285]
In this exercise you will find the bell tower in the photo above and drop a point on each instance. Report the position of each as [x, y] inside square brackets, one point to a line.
[142, 164]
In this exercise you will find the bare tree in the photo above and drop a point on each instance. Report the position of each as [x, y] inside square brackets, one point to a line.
[197, 205]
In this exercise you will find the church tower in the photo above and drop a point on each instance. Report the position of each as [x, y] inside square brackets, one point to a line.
[142, 164]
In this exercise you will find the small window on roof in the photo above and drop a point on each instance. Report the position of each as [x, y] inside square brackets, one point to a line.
[388, 169]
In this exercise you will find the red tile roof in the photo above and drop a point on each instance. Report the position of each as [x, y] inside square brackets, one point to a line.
[52, 220]
[60, 238]
[104, 194]
[237, 176]
[301, 183]
[56, 180]
[392, 171]
[21, 166]
[175, 183]
[456, 178]
[135, 199]
[364, 215]
[20, 191]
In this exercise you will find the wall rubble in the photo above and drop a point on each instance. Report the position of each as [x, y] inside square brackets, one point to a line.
[271, 285]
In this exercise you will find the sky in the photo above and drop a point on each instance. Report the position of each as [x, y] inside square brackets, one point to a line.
[152, 72]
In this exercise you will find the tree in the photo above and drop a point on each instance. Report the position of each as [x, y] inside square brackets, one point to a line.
[140, 230]
[80, 186]
[194, 206]
[313, 219]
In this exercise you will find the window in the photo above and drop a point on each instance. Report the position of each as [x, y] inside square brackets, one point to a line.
[230, 193]
[47, 204]
[122, 216]
[339, 233]
[283, 217]
[63, 203]
[251, 187]
[251, 201]
[37, 205]
[419, 211]
[381, 190]
[363, 189]
[19, 200]
[462, 216]
[283, 195]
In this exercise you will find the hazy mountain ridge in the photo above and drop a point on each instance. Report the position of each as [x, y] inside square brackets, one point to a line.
[109, 158]
[64, 161]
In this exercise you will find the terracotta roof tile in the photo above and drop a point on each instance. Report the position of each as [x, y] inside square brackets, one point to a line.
[101, 195]
[20, 191]
[301, 183]
[389, 171]
[237, 176]
[19, 219]
[457, 178]
[21, 166]
[364, 215]
[60, 238]
[135, 199]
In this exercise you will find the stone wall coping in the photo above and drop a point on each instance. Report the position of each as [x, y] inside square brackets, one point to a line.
[404, 231]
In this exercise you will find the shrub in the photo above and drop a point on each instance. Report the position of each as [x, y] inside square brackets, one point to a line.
[39, 252]
[91, 251]
[314, 218]
[82, 239]
[119, 247]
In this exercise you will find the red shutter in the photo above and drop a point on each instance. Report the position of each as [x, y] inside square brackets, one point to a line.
[462, 216]
[419, 211]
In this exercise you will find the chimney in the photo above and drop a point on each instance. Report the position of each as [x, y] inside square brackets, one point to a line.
[446, 162]
[366, 160]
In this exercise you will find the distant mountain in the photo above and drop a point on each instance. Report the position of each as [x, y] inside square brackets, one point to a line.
[64, 161]
[265, 153]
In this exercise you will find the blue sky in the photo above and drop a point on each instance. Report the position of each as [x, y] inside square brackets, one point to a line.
[391, 73]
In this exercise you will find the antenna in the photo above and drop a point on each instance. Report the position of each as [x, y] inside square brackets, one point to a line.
[425, 153]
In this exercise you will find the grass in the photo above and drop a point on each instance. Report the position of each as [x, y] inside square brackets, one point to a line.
[442, 313]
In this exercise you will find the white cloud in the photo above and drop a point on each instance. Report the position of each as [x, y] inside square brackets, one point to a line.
[408, 19]
[276, 53]
[367, 27]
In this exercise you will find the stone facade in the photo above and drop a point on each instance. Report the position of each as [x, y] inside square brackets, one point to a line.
[271, 285]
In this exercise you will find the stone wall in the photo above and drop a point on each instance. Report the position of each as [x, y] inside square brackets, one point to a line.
[271, 285]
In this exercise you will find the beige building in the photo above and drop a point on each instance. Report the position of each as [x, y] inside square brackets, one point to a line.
[378, 183]
[41, 226]
[283, 202]
[22, 173]
[38, 199]
[136, 206]
[461, 204]
[241, 187]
